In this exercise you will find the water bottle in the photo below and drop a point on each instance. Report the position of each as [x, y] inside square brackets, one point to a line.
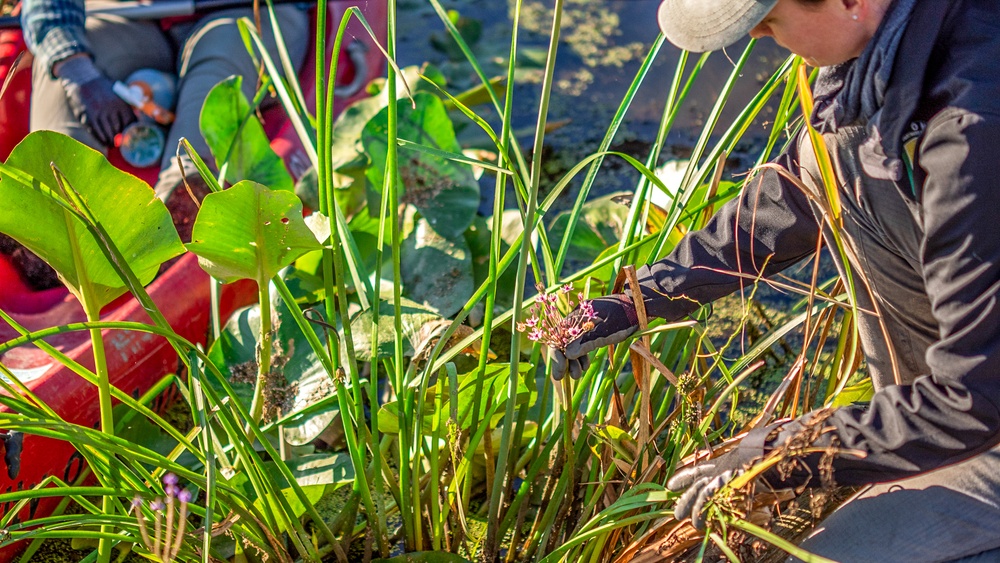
[153, 94]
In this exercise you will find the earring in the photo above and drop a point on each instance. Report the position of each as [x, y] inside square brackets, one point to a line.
[854, 17]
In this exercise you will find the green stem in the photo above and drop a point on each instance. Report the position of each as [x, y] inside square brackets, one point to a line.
[107, 417]
[500, 480]
[263, 354]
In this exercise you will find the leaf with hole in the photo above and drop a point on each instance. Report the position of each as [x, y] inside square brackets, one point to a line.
[250, 232]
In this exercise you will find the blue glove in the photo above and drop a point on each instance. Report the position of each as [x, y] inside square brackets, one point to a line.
[615, 319]
[93, 100]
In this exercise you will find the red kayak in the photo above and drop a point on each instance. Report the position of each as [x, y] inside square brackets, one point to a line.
[135, 360]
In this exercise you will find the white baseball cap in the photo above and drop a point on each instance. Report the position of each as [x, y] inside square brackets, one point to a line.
[709, 25]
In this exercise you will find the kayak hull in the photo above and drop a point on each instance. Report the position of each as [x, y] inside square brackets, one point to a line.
[136, 360]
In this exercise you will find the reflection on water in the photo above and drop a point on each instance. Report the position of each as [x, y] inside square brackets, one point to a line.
[603, 44]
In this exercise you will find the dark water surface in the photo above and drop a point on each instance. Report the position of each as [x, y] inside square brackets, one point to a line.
[602, 46]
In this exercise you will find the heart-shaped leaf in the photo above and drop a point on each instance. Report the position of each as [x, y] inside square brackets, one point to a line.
[413, 317]
[298, 378]
[250, 232]
[437, 272]
[137, 222]
[237, 139]
[444, 191]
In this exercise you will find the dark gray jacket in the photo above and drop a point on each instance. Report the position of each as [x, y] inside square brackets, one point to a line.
[927, 260]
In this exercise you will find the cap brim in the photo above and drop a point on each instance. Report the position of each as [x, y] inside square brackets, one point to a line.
[709, 25]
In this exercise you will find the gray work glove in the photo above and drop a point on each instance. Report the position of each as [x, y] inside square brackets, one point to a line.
[615, 319]
[701, 482]
[93, 100]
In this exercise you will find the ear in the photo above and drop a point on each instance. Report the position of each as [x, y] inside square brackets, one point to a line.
[867, 12]
[851, 6]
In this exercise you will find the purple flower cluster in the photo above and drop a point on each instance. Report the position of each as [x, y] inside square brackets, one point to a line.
[168, 535]
[547, 324]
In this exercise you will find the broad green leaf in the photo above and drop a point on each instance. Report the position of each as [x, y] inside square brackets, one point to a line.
[317, 474]
[314, 494]
[322, 469]
[250, 232]
[135, 428]
[347, 156]
[301, 380]
[137, 222]
[346, 153]
[237, 138]
[348, 160]
[444, 191]
[437, 272]
[413, 317]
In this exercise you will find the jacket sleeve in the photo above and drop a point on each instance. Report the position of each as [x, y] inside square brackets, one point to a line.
[768, 228]
[953, 412]
[54, 29]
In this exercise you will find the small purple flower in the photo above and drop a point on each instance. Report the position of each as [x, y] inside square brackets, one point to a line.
[567, 288]
[170, 479]
[184, 496]
[171, 490]
[531, 322]
[535, 335]
[137, 501]
[157, 504]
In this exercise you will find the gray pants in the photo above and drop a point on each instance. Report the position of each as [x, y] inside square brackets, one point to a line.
[200, 53]
[952, 514]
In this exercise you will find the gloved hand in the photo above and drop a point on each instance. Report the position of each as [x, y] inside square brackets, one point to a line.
[13, 445]
[701, 482]
[92, 98]
[615, 319]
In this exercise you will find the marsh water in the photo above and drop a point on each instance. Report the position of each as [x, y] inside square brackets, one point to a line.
[602, 46]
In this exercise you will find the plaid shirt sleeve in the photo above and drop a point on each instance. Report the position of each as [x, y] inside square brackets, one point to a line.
[54, 29]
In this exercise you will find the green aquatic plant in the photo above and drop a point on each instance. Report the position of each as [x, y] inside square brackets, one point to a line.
[394, 362]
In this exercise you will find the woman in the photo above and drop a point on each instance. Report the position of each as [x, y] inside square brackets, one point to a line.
[908, 101]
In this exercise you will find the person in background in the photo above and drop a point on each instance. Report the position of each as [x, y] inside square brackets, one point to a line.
[77, 59]
[908, 102]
